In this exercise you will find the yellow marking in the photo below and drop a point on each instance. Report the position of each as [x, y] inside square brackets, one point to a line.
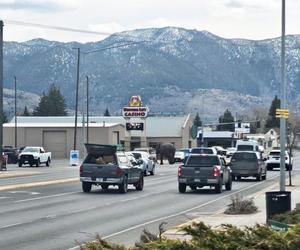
[40, 183]
[17, 173]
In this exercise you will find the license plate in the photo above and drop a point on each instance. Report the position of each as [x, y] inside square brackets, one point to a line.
[99, 179]
[197, 180]
[197, 172]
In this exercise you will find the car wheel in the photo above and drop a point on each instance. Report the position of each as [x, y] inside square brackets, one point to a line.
[259, 177]
[228, 185]
[37, 163]
[238, 178]
[193, 187]
[86, 187]
[218, 188]
[181, 188]
[20, 164]
[48, 163]
[124, 185]
[104, 186]
[153, 171]
[140, 184]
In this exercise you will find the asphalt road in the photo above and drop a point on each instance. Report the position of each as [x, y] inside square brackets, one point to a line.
[59, 216]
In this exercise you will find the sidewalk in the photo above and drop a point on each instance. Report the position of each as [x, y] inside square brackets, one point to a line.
[259, 217]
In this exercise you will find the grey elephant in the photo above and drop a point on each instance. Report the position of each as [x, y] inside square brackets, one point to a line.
[165, 150]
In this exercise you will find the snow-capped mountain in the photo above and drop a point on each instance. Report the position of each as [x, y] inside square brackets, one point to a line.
[153, 62]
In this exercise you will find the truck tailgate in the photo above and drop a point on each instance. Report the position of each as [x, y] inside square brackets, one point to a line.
[97, 170]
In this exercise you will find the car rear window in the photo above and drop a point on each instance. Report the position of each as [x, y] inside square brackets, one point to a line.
[244, 157]
[245, 148]
[202, 151]
[100, 159]
[275, 153]
[200, 160]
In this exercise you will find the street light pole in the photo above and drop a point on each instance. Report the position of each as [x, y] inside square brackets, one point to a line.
[76, 100]
[282, 102]
[16, 128]
[87, 109]
[1, 93]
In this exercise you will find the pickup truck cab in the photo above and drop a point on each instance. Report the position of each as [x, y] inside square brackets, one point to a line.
[204, 170]
[34, 156]
[104, 166]
[248, 163]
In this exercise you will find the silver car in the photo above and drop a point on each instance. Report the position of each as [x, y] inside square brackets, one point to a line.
[148, 163]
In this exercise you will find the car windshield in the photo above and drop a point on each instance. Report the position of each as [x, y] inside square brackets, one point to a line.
[137, 155]
[184, 150]
[31, 150]
[244, 157]
[200, 160]
[202, 151]
[245, 148]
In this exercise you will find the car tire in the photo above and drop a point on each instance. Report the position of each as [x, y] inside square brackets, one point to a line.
[37, 163]
[86, 187]
[124, 185]
[219, 188]
[20, 164]
[238, 178]
[140, 184]
[153, 171]
[104, 186]
[181, 188]
[259, 177]
[228, 185]
[48, 163]
[145, 172]
[288, 167]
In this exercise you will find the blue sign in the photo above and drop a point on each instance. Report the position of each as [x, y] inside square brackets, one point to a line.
[74, 157]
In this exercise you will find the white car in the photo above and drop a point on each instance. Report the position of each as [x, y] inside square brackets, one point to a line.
[273, 160]
[34, 156]
[148, 163]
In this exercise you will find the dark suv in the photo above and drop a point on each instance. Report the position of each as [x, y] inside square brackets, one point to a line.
[204, 170]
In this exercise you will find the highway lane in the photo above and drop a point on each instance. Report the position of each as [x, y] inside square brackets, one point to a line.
[56, 216]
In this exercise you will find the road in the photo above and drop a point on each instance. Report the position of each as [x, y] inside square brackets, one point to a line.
[58, 216]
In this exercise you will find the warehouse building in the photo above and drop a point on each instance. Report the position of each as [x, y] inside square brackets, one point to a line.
[56, 134]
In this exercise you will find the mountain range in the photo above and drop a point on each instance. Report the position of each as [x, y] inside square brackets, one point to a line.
[175, 70]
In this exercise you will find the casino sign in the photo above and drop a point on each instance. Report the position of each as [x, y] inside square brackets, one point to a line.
[135, 109]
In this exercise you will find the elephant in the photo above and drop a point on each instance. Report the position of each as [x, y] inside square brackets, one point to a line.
[165, 150]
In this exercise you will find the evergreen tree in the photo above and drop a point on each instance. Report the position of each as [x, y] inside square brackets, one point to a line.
[272, 121]
[52, 104]
[26, 112]
[3, 118]
[106, 113]
[226, 118]
[197, 121]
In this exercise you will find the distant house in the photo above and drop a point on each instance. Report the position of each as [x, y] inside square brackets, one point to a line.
[268, 140]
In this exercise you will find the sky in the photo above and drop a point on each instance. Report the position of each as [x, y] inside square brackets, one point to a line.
[250, 19]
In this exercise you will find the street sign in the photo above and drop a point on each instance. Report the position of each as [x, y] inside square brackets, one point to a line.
[282, 113]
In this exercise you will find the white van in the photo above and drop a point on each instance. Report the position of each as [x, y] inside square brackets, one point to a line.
[247, 145]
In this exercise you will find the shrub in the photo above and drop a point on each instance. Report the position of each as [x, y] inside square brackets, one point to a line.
[241, 206]
[291, 217]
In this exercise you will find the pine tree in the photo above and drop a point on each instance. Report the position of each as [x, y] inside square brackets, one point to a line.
[197, 121]
[106, 113]
[226, 118]
[52, 104]
[3, 118]
[272, 121]
[26, 112]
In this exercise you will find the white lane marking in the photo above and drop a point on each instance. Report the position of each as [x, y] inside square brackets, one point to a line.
[178, 213]
[45, 197]
[3, 197]
[24, 192]
[11, 225]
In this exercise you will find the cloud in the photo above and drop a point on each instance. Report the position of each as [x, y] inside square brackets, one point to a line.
[36, 5]
[106, 27]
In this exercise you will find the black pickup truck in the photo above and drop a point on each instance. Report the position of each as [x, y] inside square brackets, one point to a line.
[104, 166]
[204, 170]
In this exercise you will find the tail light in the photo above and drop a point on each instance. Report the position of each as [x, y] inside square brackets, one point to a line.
[179, 171]
[119, 171]
[81, 169]
[216, 171]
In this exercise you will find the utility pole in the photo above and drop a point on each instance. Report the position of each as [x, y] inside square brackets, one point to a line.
[87, 109]
[1, 94]
[16, 128]
[282, 102]
[83, 121]
[76, 100]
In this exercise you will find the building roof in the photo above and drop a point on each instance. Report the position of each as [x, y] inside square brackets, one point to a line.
[59, 125]
[156, 126]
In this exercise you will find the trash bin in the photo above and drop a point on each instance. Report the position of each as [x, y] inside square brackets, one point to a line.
[277, 203]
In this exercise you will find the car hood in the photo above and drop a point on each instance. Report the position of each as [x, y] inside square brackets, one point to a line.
[29, 153]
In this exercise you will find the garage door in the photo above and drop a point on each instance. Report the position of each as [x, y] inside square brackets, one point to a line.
[56, 143]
